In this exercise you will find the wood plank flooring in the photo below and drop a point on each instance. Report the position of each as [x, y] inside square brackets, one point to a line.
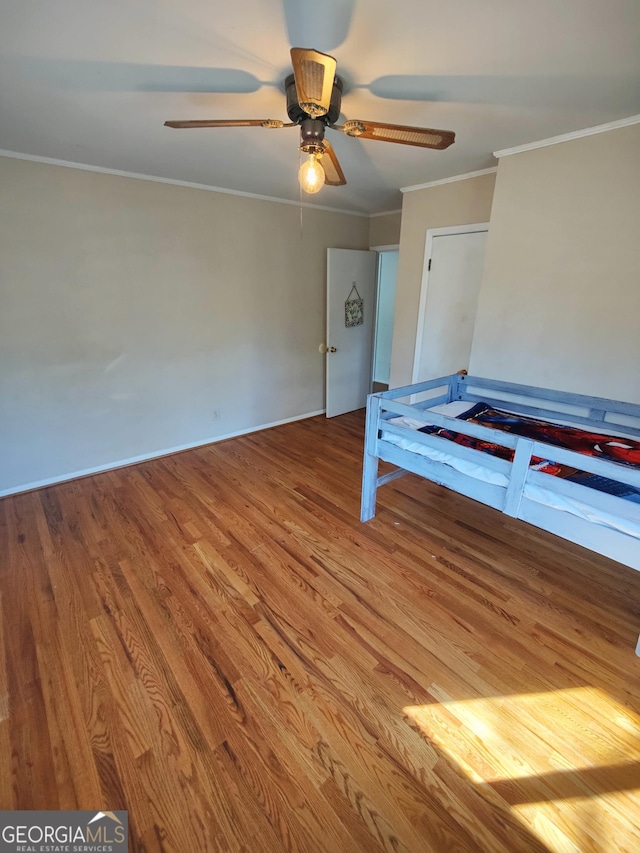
[213, 642]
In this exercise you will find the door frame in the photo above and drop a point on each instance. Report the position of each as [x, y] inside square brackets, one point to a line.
[330, 339]
[446, 231]
[379, 250]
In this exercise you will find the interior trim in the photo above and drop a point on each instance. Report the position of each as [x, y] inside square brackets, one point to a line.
[450, 180]
[567, 137]
[16, 155]
[146, 457]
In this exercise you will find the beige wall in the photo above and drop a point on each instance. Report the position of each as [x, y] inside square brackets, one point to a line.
[385, 230]
[560, 299]
[137, 317]
[457, 203]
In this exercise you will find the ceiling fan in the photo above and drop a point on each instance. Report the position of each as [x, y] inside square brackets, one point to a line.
[314, 97]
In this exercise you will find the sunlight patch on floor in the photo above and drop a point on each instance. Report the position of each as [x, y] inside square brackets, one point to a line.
[566, 761]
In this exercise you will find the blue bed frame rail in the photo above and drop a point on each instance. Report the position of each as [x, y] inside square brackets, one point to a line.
[511, 498]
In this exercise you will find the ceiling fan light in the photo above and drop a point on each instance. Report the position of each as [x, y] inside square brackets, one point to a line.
[311, 175]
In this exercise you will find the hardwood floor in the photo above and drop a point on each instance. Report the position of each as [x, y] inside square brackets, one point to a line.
[213, 642]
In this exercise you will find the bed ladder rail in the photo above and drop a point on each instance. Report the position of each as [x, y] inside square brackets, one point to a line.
[370, 460]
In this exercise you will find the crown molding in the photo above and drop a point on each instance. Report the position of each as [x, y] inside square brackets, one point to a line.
[85, 167]
[450, 180]
[567, 137]
[385, 213]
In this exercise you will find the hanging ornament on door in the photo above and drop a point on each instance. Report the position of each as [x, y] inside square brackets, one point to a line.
[353, 313]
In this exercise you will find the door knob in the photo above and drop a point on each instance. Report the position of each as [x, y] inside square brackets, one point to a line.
[332, 349]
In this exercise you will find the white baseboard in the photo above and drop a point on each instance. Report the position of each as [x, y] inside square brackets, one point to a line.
[145, 457]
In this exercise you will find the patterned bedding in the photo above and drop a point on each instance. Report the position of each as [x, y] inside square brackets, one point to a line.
[622, 450]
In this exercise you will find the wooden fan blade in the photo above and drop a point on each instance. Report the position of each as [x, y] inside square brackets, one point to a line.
[232, 122]
[314, 74]
[333, 174]
[423, 137]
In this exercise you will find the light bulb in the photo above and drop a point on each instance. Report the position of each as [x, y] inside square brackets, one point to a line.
[311, 175]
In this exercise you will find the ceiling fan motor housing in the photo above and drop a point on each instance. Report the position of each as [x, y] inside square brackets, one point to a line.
[311, 136]
[298, 115]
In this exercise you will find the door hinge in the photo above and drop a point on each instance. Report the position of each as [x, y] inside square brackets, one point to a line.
[429, 267]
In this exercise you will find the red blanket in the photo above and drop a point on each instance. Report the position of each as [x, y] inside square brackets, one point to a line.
[612, 448]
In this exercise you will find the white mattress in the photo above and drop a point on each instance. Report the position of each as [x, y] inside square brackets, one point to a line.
[488, 475]
[452, 410]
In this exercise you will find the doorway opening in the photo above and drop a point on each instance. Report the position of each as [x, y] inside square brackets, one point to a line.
[350, 348]
[387, 274]
[451, 278]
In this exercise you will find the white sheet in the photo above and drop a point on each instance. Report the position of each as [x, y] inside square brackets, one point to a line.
[487, 475]
[452, 410]
[582, 510]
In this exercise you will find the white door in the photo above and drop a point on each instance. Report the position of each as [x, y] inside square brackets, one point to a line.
[449, 300]
[348, 376]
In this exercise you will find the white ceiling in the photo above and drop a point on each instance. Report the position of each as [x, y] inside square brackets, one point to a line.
[92, 81]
